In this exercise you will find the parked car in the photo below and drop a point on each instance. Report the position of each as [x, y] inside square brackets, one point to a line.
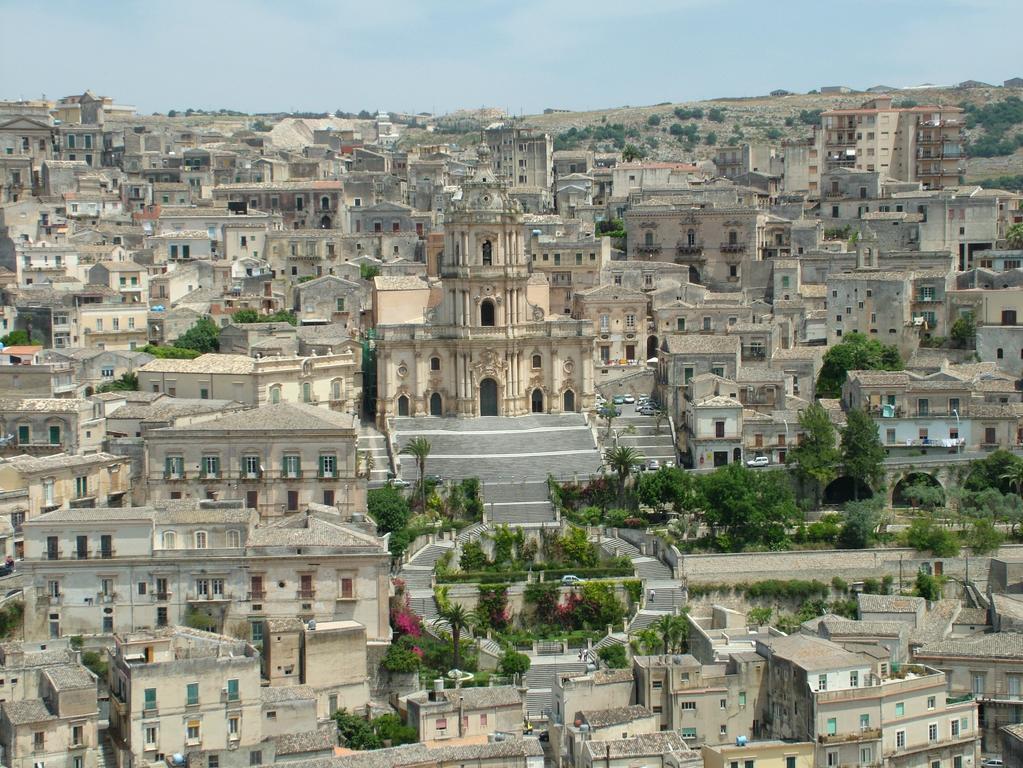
[618, 399]
[629, 398]
[646, 410]
[653, 465]
[992, 762]
[6, 569]
[398, 482]
[434, 479]
[568, 580]
[758, 461]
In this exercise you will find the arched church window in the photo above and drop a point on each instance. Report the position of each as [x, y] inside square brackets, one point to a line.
[691, 237]
[648, 238]
[488, 253]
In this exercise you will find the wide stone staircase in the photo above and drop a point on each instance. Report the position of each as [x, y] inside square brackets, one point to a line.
[540, 681]
[639, 433]
[518, 504]
[417, 574]
[500, 449]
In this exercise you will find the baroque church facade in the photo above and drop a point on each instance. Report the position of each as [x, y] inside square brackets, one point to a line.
[485, 345]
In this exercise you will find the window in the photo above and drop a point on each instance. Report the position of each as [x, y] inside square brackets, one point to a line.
[790, 761]
[307, 392]
[151, 735]
[955, 729]
[979, 682]
[822, 682]
[211, 466]
[81, 486]
[832, 726]
[275, 394]
[256, 757]
[832, 759]
[434, 363]
[328, 465]
[630, 322]
[150, 698]
[192, 732]
[930, 702]
[688, 733]
[900, 739]
[192, 694]
[723, 730]
[864, 722]
[441, 723]
[232, 728]
[347, 588]
[722, 703]
[680, 324]
[232, 689]
[900, 709]
[719, 429]
[24, 434]
[213, 761]
[250, 466]
[39, 741]
[292, 465]
[932, 732]
[742, 699]
[689, 705]
[200, 540]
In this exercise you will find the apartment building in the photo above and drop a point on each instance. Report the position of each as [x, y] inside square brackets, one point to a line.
[524, 158]
[682, 356]
[572, 265]
[43, 426]
[312, 204]
[34, 485]
[704, 703]
[768, 753]
[128, 279]
[179, 690]
[55, 724]
[986, 668]
[107, 570]
[940, 409]
[442, 714]
[113, 325]
[277, 459]
[619, 321]
[860, 709]
[604, 728]
[922, 143]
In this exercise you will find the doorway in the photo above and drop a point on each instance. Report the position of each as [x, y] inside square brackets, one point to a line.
[488, 397]
[536, 401]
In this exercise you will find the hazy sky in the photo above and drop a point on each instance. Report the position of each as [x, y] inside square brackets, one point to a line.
[438, 55]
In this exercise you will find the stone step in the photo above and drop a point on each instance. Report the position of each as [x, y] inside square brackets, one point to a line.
[651, 568]
[645, 618]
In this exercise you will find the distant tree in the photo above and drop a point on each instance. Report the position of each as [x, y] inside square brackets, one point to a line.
[815, 460]
[928, 586]
[614, 656]
[15, 338]
[749, 507]
[203, 337]
[716, 115]
[631, 152]
[126, 382]
[856, 352]
[653, 120]
[172, 113]
[773, 134]
[983, 537]
[388, 507]
[608, 412]
[863, 454]
[245, 316]
[710, 139]
[622, 459]
[419, 449]
[368, 271]
[924, 535]
[674, 633]
[860, 524]
[458, 618]
[1014, 236]
[513, 663]
[759, 616]
[964, 330]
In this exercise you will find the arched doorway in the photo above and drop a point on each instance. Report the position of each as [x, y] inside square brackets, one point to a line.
[918, 489]
[488, 397]
[568, 401]
[737, 456]
[436, 405]
[536, 401]
[487, 313]
[845, 488]
[403, 406]
[325, 222]
[694, 274]
[651, 347]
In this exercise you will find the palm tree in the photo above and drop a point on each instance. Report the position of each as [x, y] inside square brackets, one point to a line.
[419, 447]
[673, 631]
[622, 460]
[1014, 476]
[646, 641]
[459, 618]
[608, 411]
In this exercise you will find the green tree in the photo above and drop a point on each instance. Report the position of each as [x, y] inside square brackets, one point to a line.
[983, 537]
[513, 663]
[419, 449]
[170, 353]
[473, 558]
[750, 507]
[759, 616]
[857, 352]
[924, 535]
[1014, 236]
[646, 642]
[614, 656]
[1013, 475]
[392, 732]
[863, 454]
[203, 337]
[860, 524]
[245, 316]
[668, 487]
[126, 382]
[456, 616]
[631, 152]
[815, 460]
[674, 633]
[16, 338]
[389, 508]
[608, 412]
[716, 115]
[356, 732]
[622, 460]
[927, 586]
[653, 120]
[368, 271]
[964, 330]
[576, 549]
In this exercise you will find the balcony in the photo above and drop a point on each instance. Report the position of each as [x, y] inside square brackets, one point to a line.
[159, 597]
[835, 195]
[864, 734]
[106, 597]
[305, 594]
[754, 353]
[257, 594]
[211, 597]
[732, 247]
[689, 249]
[648, 250]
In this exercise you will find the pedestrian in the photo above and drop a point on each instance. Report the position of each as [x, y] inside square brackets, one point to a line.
[653, 594]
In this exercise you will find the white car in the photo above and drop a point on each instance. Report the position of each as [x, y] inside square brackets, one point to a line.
[992, 762]
[758, 461]
[630, 399]
[653, 465]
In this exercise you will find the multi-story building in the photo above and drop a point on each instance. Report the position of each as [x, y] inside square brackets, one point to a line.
[107, 570]
[684, 355]
[441, 714]
[572, 264]
[332, 380]
[619, 321]
[178, 690]
[58, 726]
[524, 158]
[922, 143]
[860, 709]
[113, 325]
[769, 753]
[706, 703]
[277, 459]
[43, 426]
[986, 668]
[315, 204]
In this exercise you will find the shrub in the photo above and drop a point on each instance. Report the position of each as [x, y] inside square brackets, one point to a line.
[513, 663]
[402, 657]
[839, 584]
[614, 656]
[925, 535]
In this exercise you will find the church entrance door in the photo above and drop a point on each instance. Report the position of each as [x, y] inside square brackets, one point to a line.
[537, 401]
[488, 397]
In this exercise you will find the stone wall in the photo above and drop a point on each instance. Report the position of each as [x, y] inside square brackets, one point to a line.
[823, 565]
[382, 683]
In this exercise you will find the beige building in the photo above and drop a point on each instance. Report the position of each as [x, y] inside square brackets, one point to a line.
[43, 426]
[36, 485]
[484, 345]
[277, 459]
[524, 159]
[179, 691]
[921, 143]
[113, 326]
[333, 379]
[58, 727]
[619, 321]
[442, 714]
[761, 754]
[107, 570]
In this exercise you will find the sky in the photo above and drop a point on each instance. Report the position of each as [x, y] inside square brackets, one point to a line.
[521, 55]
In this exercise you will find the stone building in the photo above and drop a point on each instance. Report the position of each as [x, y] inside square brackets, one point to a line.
[484, 345]
[277, 458]
[440, 714]
[524, 159]
[43, 426]
[619, 321]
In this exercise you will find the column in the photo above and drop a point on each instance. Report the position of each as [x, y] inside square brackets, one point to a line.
[553, 379]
